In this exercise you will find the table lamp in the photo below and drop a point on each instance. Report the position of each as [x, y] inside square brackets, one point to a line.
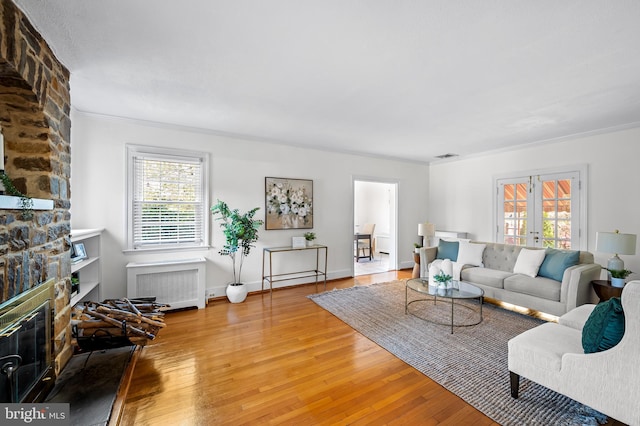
[427, 230]
[617, 243]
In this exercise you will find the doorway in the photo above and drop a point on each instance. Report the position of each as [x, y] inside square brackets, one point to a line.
[375, 202]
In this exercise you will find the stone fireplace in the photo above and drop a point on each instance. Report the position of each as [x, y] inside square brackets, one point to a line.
[34, 119]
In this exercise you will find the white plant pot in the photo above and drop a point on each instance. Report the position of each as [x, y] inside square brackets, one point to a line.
[617, 282]
[237, 293]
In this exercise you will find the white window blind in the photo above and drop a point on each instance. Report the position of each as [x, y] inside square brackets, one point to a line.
[167, 205]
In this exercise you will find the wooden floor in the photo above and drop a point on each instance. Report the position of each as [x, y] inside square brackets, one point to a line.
[281, 361]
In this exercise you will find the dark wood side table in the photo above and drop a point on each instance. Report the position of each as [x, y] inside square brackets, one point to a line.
[605, 290]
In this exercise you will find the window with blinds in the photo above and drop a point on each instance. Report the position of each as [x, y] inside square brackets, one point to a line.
[167, 198]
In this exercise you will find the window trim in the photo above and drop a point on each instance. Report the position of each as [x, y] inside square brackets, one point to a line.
[132, 151]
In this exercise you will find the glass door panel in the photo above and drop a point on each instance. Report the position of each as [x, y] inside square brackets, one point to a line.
[514, 205]
[539, 211]
[557, 222]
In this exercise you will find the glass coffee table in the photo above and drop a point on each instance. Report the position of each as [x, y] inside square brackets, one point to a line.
[461, 291]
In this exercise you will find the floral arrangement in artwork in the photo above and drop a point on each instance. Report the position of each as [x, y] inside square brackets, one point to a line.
[291, 203]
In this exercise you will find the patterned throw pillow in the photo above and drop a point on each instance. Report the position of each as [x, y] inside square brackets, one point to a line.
[604, 327]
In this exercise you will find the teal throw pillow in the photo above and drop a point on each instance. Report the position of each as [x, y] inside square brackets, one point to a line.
[448, 250]
[604, 327]
[556, 261]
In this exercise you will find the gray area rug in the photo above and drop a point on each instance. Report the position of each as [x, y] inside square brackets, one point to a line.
[472, 362]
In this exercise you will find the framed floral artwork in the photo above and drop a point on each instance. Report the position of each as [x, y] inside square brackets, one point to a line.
[288, 203]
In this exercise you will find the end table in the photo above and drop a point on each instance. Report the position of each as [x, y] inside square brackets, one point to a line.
[416, 267]
[605, 290]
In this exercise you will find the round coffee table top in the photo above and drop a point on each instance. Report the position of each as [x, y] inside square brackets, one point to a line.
[460, 289]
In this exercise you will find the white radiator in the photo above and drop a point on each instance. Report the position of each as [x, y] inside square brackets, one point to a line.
[179, 283]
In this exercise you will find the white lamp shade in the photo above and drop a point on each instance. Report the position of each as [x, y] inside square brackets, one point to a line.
[614, 242]
[426, 229]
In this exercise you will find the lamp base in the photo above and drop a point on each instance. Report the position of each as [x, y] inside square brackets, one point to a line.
[615, 263]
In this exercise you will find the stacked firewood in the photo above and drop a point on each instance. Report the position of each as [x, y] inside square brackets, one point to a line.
[139, 320]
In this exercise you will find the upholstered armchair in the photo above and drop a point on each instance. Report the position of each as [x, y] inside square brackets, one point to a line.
[608, 381]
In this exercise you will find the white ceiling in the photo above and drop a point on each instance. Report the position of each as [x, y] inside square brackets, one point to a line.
[400, 78]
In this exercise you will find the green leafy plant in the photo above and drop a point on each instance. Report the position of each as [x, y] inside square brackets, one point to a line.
[26, 202]
[309, 236]
[620, 273]
[441, 277]
[240, 231]
[416, 245]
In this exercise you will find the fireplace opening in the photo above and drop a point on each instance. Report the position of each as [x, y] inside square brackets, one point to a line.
[26, 361]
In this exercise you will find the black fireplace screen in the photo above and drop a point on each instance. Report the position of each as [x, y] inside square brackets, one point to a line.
[25, 343]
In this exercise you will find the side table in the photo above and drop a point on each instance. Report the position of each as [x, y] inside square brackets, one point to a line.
[416, 266]
[604, 290]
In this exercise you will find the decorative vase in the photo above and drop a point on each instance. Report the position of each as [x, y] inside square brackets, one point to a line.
[617, 282]
[444, 285]
[310, 243]
[236, 293]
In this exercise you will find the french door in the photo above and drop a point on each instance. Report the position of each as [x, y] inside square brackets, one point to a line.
[539, 210]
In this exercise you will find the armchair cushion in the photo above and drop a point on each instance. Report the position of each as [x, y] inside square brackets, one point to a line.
[604, 327]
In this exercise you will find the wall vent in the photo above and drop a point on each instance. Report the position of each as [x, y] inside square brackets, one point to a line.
[448, 155]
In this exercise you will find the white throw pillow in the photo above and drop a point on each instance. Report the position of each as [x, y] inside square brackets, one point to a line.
[470, 253]
[528, 262]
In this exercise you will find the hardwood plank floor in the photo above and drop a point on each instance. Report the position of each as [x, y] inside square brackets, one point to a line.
[281, 361]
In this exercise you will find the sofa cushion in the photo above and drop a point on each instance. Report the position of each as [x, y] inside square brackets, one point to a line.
[556, 261]
[604, 327]
[484, 276]
[577, 317]
[470, 253]
[544, 288]
[448, 250]
[528, 262]
[500, 256]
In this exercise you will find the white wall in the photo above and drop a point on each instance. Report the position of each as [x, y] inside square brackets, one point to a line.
[461, 192]
[373, 205]
[238, 168]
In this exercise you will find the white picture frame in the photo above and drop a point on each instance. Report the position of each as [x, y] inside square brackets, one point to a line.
[298, 242]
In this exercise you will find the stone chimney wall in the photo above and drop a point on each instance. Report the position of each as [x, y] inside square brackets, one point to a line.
[34, 118]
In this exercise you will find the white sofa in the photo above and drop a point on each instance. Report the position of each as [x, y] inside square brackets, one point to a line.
[497, 279]
[608, 381]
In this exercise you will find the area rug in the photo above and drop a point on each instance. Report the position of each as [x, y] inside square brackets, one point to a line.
[472, 362]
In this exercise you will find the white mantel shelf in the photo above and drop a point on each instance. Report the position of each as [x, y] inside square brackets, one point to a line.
[9, 202]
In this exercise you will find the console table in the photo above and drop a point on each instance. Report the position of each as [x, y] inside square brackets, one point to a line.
[271, 278]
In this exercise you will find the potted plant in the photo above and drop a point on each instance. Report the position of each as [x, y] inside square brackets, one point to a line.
[240, 231]
[443, 280]
[309, 236]
[416, 247]
[618, 276]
